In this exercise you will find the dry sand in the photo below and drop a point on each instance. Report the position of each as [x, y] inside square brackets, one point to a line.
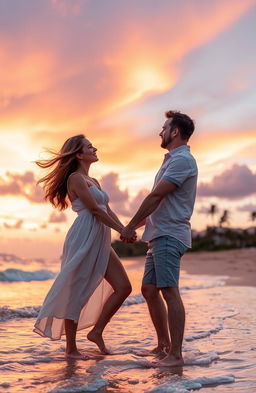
[239, 265]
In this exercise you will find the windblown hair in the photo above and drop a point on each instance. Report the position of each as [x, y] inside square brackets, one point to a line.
[64, 163]
[183, 122]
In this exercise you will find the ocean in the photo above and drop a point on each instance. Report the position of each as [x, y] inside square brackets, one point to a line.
[219, 344]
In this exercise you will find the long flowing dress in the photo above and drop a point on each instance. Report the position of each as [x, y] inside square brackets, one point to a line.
[80, 291]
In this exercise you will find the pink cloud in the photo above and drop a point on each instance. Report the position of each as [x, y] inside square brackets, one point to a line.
[57, 217]
[23, 184]
[17, 225]
[234, 183]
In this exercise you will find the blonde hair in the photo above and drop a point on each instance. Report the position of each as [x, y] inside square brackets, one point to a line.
[64, 163]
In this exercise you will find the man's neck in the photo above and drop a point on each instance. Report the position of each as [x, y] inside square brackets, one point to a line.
[175, 144]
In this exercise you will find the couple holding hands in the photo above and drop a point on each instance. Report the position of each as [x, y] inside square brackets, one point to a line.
[92, 283]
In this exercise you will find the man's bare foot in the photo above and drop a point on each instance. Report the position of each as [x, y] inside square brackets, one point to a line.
[76, 355]
[169, 361]
[98, 340]
[160, 351]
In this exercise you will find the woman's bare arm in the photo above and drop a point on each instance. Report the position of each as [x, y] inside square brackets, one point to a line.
[79, 186]
[113, 215]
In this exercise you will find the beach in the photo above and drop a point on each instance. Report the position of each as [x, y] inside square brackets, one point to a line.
[238, 265]
[219, 294]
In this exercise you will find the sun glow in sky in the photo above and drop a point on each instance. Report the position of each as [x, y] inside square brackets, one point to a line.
[110, 70]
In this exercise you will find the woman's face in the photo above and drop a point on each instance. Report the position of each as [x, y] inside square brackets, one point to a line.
[89, 152]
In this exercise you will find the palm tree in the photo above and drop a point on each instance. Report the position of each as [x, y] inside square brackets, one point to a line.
[212, 212]
[224, 218]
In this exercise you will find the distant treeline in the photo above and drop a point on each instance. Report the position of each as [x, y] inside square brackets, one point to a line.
[212, 239]
[219, 238]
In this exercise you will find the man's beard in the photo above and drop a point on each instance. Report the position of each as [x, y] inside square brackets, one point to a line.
[165, 143]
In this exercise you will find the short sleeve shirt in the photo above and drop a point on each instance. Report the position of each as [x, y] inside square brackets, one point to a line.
[172, 216]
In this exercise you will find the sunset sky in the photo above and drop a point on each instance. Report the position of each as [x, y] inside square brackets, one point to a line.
[110, 69]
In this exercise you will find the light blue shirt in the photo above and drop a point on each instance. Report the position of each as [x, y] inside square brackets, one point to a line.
[172, 215]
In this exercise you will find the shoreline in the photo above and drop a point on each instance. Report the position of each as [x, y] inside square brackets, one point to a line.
[238, 264]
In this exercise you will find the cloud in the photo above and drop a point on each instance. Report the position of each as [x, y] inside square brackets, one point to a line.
[120, 200]
[234, 183]
[249, 207]
[65, 7]
[24, 185]
[137, 200]
[17, 225]
[118, 58]
[57, 218]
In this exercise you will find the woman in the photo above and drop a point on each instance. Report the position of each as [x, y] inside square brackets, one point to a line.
[92, 283]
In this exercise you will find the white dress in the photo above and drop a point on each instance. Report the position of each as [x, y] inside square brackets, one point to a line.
[80, 291]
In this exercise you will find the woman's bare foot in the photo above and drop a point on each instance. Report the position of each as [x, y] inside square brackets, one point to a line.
[76, 355]
[98, 340]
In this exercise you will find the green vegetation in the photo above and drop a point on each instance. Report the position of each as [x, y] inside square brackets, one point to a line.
[219, 238]
[212, 239]
[130, 250]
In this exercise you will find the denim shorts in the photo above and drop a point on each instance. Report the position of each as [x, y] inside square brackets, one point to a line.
[162, 267]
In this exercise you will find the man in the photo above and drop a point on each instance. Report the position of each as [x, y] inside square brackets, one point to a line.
[168, 209]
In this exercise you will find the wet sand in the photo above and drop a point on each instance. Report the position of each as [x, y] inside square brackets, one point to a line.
[219, 342]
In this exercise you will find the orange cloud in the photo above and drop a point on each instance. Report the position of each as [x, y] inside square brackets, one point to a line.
[17, 225]
[56, 89]
[217, 145]
[21, 185]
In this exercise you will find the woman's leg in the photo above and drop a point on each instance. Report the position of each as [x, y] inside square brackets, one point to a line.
[71, 348]
[118, 279]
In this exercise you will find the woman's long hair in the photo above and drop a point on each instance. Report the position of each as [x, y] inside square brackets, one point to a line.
[64, 163]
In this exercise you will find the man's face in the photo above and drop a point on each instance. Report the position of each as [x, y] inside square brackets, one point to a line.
[165, 134]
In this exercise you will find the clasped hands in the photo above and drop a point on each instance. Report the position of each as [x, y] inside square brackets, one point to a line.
[128, 235]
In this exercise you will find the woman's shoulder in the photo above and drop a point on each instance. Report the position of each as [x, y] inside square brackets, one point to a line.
[96, 181]
[76, 177]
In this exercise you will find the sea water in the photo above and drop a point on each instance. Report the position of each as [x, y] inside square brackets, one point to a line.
[219, 344]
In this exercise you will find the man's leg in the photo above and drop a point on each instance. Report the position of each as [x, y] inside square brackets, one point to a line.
[176, 320]
[167, 254]
[158, 315]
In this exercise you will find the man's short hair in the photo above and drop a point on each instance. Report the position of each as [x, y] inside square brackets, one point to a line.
[181, 121]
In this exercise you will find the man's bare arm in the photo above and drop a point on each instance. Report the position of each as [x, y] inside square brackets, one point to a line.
[149, 205]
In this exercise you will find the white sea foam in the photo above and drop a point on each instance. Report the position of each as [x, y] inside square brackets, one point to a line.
[187, 385]
[13, 275]
[91, 387]
[201, 359]
[205, 282]
[7, 313]
[136, 299]
[206, 333]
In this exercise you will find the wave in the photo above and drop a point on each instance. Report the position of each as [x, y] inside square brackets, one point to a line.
[134, 299]
[7, 313]
[14, 275]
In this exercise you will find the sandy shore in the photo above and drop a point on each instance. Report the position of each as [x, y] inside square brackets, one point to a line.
[239, 265]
